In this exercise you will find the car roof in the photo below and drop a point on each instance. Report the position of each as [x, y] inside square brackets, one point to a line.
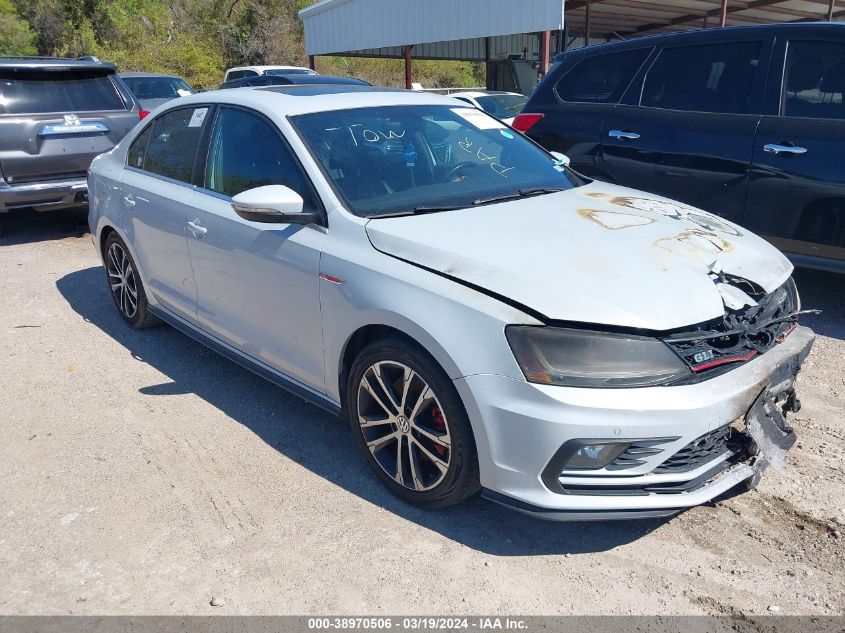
[323, 79]
[141, 74]
[703, 35]
[485, 93]
[303, 99]
[55, 63]
[263, 68]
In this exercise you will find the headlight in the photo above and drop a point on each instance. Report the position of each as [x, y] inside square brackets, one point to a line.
[580, 358]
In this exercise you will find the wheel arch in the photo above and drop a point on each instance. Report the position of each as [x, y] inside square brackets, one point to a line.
[371, 332]
[106, 228]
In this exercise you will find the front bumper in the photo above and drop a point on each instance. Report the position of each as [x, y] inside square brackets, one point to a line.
[44, 196]
[521, 427]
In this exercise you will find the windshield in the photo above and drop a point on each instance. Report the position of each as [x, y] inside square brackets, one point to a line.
[406, 159]
[502, 106]
[157, 87]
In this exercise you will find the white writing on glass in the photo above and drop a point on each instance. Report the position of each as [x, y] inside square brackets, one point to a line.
[467, 146]
[368, 135]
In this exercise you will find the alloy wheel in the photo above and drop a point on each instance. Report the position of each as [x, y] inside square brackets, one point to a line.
[404, 426]
[124, 287]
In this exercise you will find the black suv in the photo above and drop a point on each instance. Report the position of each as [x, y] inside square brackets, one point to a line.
[745, 122]
[56, 115]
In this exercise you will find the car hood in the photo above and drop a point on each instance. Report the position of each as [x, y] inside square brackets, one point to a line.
[595, 254]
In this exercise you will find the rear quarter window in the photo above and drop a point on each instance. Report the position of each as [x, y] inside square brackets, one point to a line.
[601, 78]
[42, 92]
[138, 149]
[172, 146]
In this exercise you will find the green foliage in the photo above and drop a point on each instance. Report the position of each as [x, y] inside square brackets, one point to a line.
[144, 35]
[16, 36]
[196, 39]
[391, 72]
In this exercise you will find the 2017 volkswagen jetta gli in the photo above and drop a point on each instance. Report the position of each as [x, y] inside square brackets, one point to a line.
[485, 318]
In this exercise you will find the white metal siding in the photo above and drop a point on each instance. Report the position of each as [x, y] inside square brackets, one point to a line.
[335, 26]
[472, 49]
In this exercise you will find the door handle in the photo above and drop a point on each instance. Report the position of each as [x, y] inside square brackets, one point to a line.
[196, 228]
[774, 148]
[622, 135]
[130, 202]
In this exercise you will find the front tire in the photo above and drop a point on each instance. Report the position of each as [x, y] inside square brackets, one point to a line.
[410, 424]
[125, 285]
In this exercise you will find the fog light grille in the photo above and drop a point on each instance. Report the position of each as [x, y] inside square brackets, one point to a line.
[703, 450]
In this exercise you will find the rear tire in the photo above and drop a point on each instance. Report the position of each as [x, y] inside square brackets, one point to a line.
[409, 422]
[125, 285]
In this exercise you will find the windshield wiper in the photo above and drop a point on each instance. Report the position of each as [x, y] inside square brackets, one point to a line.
[438, 208]
[415, 211]
[522, 193]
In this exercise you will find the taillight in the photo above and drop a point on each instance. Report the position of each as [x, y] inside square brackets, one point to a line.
[523, 122]
[142, 114]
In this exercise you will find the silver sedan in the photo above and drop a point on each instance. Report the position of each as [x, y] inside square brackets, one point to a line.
[485, 318]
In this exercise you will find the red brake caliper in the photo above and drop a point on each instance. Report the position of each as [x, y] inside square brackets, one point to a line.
[439, 422]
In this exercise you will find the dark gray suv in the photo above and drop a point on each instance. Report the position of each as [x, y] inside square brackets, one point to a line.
[56, 115]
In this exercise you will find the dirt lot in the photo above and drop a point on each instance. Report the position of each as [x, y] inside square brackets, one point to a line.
[142, 473]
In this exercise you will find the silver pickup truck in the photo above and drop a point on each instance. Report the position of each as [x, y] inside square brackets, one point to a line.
[56, 115]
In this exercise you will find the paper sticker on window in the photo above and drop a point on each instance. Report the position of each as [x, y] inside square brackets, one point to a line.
[182, 92]
[478, 119]
[198, 117]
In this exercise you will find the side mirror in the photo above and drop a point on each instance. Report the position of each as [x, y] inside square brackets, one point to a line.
[561, 159]
[272, 204]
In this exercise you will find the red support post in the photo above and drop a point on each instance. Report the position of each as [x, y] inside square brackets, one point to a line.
[311, 62]
[409, 68]
[545, 50]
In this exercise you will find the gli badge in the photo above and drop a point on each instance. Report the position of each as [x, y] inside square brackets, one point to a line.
[702, 357]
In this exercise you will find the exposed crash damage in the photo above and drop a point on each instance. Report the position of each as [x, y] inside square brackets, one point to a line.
[753, 323]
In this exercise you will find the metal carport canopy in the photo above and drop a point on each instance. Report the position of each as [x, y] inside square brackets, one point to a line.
[612, 19]
[334, 26]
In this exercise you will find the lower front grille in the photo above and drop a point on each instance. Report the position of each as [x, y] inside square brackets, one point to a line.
[730, 443]
[725, 440]
[669, 487]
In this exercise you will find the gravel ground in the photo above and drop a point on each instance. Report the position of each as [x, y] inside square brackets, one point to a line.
[144, 474]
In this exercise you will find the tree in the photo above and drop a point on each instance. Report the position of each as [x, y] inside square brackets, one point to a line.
[16, 35]
[197, 39]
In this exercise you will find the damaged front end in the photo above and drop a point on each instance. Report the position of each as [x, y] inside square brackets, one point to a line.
[753, 323]
[738, 449]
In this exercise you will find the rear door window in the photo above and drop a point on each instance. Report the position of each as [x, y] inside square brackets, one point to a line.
[709, 78]
[173, 143]
[814, 85]
[602, 78]
[46, 92]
